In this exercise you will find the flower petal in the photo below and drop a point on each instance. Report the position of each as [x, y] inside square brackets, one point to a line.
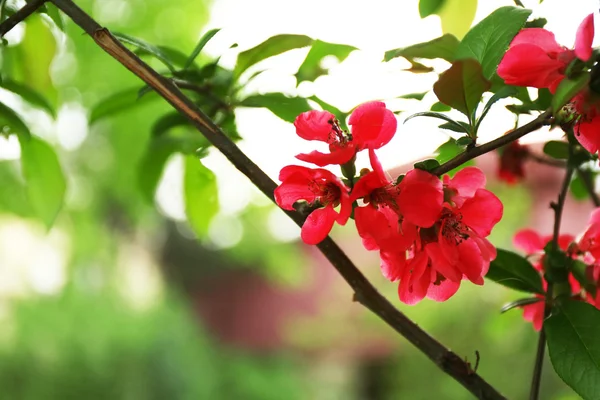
[315, 125]
[534, 313]
[338, 156]
[318, 225]
[294, 188]
[529, 241]
[373, 125]
[443, 290]
[539, 37]
[584, 38]
[530, 65]
[441, 264]
[421, 198]
[393, 264]
[471, 262]
[481, 212]
[415, 280]
[588, 134]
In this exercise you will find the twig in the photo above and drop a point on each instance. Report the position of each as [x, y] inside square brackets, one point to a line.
[541, 348]
[546, 161]
[365, 293]
[202, 90]
[19, 16]
[543, 119]
[589, 185]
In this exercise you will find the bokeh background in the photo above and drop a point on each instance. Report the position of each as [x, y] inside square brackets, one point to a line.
[122, 299]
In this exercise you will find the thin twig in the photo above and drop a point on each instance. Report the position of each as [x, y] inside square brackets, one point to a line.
[543, 119]
[365, 293]
[586, 178]
[546, 161]
[541, 348]
[19, 16]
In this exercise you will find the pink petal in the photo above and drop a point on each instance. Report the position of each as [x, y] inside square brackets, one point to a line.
[565, 240]
[529, 65]
[584, 38]
[467, 181]
[588, 134]
[377, 168]
[393, 264]
[373, 125]
[291, 191]
[338, 156]
[289, 170]
[595, 216]
[345, 209]
[412, 288]
[443, 290]
[314, 125]
[482, 211]
[441, 264]
[367, 184]
[538, 37]
[318, 225]
[534, 313]
[471, 262]
[529, 241]
[421, 198]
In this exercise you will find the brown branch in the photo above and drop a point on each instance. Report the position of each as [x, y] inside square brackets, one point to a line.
[19, 16]
[586, 178]
[541, 348]
[365, 293]
[543, 119]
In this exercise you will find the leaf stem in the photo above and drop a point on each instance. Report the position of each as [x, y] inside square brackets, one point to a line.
[20, 15]
[365, 292]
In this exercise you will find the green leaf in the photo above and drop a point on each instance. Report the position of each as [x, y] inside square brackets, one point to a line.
[514, 271]
[488, 40]
[429, 7]
[151, 167]
[557, 149]
[574, 346]
[167, 122]
[147, 47]
[10, 119]
[200, 195]
[286, 108]
[457, 16]
[443, 47]
[578, 188]
[461, 86]
[536, 23]
[45, 180]
[464, 141]
[201, 43]
[311, 66]
[119, 102]
[579, 270]
[567, 89]
[413, 96]
[520, 303]
[458, 127]
[440, 107]
[503, 92]
[271, 47]
[28, 94]
[427, 165]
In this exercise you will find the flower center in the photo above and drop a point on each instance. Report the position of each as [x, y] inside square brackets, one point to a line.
[453, 229]
[338, 138]
[326, 192]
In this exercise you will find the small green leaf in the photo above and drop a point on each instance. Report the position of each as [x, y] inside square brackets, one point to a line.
[11, 122]
[464, 141]
[440, 107]
[429, 7]
[200, 195]
[443, 47]
[311, 66]
[453, 128]
[514, 271]
[427, 165]
[151, 167]
[458, 127]
[286, 108]
[457, 16]
[119, 102]
[520, 303]
[568, 88]
[28, 94]
[201, 43]
[536, 23]
[557, 149]
[448, 151]
[503, 92]
[45, 180]
[147, 47]
[168, 121]
[461, 86]
[578, 188]
[271, 47]
[413, 96]
[488, 40]
[574, 346]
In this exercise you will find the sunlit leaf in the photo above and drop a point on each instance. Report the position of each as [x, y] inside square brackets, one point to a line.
[457, 16]
[557, 149]
[119, 102]
[448, 151]
[443, 47]
[520, 303]
[578, 188]
[440, 107]
[201, 43]
[28, 94]
[574, 346]
[286, 108]
[11, 122]
[488, 40]
[438, 116]
[461, 86]
[567, 89]
[414, 96]
[271, 47]
[428, 7]
[43, 174]
[151, 167]
[200, 195]
[147, 47]
[427, 165]
[514, 271]
[311, 67]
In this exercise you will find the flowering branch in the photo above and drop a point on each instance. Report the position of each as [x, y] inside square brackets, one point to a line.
[558, 210]
[20, 15]
[365, 293]
[543, 119]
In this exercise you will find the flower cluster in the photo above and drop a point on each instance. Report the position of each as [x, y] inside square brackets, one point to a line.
[430, 233]
[535, 59]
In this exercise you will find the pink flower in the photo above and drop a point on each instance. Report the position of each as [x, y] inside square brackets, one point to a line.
[586, 106]
[373, 126]
[510, 167]
[318, 187]
[590, 241]
[535, 59]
